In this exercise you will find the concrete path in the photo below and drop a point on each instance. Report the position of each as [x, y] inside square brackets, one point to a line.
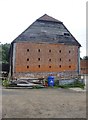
[78, 89]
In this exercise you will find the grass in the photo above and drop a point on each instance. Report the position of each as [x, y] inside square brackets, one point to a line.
[77, 83]
[72, 85]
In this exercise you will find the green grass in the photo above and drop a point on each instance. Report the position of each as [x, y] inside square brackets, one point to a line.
[73, 85]
[77, 83]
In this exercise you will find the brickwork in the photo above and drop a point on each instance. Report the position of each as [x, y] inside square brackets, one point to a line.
[84, 66]
[45, 47]
[45, 57]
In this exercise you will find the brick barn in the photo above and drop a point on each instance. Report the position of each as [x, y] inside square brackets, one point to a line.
[45, 47]
[84, 67]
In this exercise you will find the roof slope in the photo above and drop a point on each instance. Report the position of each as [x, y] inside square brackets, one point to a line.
[48, 18]
[47, 29]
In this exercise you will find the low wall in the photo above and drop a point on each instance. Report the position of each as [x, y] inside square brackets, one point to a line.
[69, 81]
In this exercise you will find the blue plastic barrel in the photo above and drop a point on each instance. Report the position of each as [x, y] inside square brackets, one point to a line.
[51, 81]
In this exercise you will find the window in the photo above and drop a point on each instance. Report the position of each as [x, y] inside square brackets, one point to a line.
[69, 59]
[27, 50]
[69, 66]
[50, 60]
[38, 59]
[38, 66]
[38, 50]
[27, 66]
[49, 50]
[60, 59]
[27, 59]
[59, 51]
[69, 51]
[60, 66]
[83, 68]
[49, 66]
[66, 34]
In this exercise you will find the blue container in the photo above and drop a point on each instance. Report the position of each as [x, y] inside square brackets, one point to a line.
[51, 81]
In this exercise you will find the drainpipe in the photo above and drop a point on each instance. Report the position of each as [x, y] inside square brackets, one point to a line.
[10, 59]
[14, 58]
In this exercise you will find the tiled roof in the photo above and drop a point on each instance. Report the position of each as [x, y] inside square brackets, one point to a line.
[47, 29]
[46, 17]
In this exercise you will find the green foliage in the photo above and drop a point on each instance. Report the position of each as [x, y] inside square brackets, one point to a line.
[77, 83]
[72, 85]
[37, 87]
[5, 52]
[56, 83]
[5, 83]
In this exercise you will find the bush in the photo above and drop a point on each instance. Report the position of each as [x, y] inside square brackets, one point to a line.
[77, 83]
[56, 83]
[5, 83]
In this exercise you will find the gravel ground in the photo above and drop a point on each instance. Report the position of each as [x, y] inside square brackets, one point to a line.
[43, 103]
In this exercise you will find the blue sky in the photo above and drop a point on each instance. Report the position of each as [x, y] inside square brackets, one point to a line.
[17, 15]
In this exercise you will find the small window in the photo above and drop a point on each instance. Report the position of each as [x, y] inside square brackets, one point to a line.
[60, 66]
[27, 59]
[49, 66]
[69, 66]
[60, 59]
[27, 66]
[38, 50]
[69, 59]
[27, 50]
[66, 34]
[38, 59]
[49, 50]
[38, 66]
[69, 51]
[59, 51]
[50, 60]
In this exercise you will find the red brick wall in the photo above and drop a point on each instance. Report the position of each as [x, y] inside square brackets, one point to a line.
[49, 59]
[84, 66]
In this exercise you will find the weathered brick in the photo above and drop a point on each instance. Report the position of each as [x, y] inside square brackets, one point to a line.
[67, 60]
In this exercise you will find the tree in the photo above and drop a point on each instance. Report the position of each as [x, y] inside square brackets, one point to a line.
[5, 53]
[85, 58]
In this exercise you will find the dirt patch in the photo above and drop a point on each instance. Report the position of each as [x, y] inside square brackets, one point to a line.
[43, 103]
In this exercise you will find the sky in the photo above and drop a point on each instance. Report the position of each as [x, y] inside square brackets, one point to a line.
[17, 15]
